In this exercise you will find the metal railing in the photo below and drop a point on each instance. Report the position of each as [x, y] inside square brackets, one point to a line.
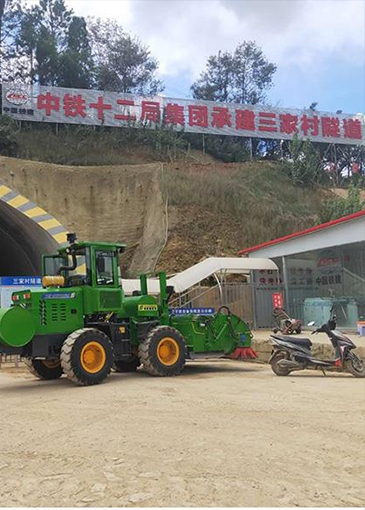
[237, 296]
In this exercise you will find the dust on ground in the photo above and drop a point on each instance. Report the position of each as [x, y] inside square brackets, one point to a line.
[222, 434]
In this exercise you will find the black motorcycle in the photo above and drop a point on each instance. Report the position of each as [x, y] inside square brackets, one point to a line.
[290, 354]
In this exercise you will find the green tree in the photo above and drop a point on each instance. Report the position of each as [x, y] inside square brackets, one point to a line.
[76, 63]
[39, 40]
[50, 46]
[123, 63]
[239, 77]
[9, 23]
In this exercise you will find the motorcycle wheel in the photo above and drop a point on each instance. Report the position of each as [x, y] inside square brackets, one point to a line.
[280, 371]
[355, 366]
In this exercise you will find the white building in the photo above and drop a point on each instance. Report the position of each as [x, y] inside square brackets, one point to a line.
[320, 267]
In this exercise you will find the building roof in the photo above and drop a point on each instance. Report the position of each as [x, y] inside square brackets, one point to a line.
[317, 228]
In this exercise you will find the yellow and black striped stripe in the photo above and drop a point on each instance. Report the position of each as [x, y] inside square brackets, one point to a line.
[35, 213]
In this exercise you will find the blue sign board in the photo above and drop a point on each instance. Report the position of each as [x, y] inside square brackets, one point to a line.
[195, 311]
[14, 281]
[10, 284]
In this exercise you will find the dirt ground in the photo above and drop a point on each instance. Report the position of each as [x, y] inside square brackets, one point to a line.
[222, 434]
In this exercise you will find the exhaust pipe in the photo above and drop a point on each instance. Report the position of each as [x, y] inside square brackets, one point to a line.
[287, 363]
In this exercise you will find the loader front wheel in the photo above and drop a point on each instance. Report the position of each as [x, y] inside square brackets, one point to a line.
[163, 351]
[87, 356]
[44, 369]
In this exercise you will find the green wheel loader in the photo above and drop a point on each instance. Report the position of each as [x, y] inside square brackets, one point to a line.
[82, 325]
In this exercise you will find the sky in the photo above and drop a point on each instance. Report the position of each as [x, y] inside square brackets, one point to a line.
[317, 45]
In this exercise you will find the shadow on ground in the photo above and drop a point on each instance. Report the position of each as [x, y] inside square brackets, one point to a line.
[191, 370]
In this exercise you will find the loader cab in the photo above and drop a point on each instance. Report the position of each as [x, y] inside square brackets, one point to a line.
[92, 264]
[92, 267]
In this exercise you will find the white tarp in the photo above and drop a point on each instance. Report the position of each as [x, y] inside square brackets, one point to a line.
[195, 274]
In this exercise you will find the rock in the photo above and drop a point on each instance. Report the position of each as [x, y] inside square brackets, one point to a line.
[150, 474]
[89, 499]
[139, 496]
[111, 477]
[98, 487]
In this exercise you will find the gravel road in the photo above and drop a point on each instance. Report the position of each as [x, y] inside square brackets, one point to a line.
[222, 434]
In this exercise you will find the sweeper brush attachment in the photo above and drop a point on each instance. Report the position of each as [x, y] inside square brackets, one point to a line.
[222, 332]
[242, 353]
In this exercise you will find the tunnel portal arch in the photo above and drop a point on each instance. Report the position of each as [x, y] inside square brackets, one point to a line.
[26, 231]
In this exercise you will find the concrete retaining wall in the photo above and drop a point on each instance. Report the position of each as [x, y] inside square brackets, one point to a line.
[320, 348]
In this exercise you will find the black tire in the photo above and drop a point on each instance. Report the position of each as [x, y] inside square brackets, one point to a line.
[162, 352]
[299, 330]
[87, 356]
[126, 366]
[44, 369]
[355, 366]
[280, 371]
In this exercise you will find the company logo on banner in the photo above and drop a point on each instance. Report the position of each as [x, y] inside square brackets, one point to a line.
[96, 108]
[16, 96]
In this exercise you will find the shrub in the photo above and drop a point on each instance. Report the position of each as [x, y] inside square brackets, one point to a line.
[305, 167]
[337, 207]
[8, 143]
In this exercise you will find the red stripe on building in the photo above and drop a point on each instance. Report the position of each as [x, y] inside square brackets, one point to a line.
[303, 232]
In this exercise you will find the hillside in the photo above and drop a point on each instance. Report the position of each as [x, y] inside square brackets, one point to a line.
[217, 209]
[212, 208]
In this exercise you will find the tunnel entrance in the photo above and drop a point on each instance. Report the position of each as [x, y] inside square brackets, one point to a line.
[22, 241]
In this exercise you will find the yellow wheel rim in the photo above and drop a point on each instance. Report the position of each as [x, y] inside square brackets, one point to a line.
[92, 357]
[51, 363]
[168, 351]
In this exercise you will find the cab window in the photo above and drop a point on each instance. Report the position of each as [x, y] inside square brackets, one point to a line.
[52, 263]
[104, 268]
[82, 274]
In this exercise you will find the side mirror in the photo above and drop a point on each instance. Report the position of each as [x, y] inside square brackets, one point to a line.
[169, 291]
[332, 323]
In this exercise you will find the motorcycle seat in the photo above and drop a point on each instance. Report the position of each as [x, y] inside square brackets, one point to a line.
[303, 342]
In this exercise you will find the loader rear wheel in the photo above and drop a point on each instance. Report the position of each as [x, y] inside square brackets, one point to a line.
[126, 366]
[87, 356]
[163, 351]
[44, 369]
